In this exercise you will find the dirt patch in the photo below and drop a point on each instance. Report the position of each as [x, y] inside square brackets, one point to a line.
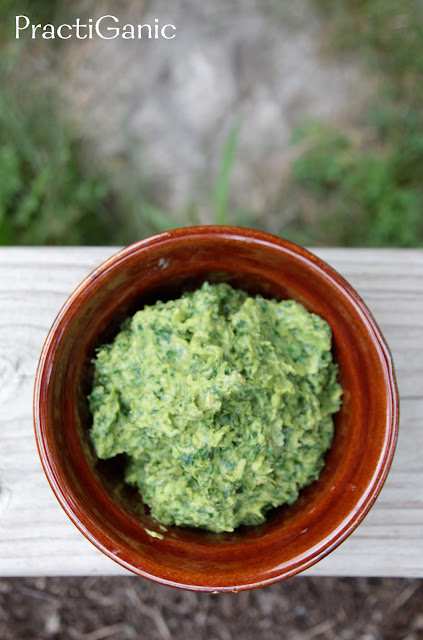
[161, 110]
[130, 608]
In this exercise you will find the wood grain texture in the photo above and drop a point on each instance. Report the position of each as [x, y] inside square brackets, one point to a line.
[37, 538]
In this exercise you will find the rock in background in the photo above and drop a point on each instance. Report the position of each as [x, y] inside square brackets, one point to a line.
[156, 113]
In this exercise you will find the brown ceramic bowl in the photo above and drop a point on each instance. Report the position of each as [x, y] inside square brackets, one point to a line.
[111, 515]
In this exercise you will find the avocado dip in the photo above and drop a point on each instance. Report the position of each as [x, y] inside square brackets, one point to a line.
[222, 402]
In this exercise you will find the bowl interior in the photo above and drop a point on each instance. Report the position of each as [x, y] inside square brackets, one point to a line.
[112, 514]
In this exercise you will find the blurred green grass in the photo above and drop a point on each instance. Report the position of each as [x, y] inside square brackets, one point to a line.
[363, 188]
[46, 195]
[50, 193]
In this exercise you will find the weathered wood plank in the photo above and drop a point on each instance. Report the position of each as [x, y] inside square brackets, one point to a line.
[36, 537]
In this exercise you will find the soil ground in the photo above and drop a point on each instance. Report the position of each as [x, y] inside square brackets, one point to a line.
[127, 608]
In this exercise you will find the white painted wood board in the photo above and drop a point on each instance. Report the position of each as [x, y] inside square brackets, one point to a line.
[36, 536]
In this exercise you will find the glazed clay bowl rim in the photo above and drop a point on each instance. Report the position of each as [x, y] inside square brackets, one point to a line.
[92, 529]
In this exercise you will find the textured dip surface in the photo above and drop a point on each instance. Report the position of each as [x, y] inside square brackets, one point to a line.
[222, 402]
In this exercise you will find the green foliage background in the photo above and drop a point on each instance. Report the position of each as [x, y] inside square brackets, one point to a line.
[362, 189]
[367, 189]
